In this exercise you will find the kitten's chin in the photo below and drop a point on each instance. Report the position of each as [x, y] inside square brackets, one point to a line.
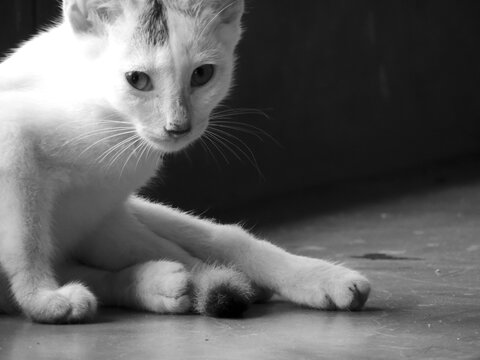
[169, 144]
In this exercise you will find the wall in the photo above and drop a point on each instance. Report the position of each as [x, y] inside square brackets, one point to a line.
[351, 88]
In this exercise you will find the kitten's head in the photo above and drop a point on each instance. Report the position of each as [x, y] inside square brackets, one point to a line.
[165, 64]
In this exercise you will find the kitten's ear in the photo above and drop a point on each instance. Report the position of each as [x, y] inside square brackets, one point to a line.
[229, 13]
[90, 16]
[232, 10]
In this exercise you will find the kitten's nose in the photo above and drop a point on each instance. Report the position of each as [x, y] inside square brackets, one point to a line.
[177, 130]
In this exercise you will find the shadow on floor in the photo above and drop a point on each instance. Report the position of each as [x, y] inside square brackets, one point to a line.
[347, 195]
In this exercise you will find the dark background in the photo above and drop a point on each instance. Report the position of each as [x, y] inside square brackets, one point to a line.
[352, 89]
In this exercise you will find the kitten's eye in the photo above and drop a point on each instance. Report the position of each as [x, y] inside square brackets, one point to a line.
[139, 80]
[202, 75]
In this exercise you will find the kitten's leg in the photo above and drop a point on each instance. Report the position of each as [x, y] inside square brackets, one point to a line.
[26, 248]
[166, 287]
[122, 241]
[307, 281]
[155, 286]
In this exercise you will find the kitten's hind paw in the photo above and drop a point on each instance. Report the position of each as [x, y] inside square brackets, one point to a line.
[222, 292]
[162, 287]
[71, 303]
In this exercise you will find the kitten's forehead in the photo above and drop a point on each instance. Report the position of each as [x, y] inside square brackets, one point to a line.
[153, 22]
[153, 19]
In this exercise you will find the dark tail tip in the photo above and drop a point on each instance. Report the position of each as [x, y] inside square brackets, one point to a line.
[226, 302]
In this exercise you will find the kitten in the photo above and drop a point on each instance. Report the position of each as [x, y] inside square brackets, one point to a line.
[87, 108]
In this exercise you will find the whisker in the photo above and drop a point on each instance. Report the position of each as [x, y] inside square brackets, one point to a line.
[240, 111]
[135, 150]
[146, 147]
[120, 153]
[211, 138]
[207, 150]
[105, 154]
[82, 124]
[93, 133]
[103, 139]
[237, 126]
[252, 159]
[221, 140]
[236, 138]
[151, 150]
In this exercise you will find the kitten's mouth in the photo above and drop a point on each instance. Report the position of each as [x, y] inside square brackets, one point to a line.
[170, 142]
[173, 138]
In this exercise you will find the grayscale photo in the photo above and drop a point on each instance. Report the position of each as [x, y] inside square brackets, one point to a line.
[239, 179]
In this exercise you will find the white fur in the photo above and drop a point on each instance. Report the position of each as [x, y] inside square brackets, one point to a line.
[76, 141]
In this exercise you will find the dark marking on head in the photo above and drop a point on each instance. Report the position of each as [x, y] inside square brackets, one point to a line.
[154, 23]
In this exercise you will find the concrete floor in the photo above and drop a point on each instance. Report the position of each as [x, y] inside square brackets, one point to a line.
[420, 247]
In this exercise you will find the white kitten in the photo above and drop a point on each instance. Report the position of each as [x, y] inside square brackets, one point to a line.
[87, 109]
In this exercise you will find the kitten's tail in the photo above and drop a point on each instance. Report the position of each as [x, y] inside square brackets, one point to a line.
[221, 291]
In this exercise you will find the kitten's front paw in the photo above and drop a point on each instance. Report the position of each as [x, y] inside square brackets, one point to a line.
[162, 287]
[329, 287]
[71, 303]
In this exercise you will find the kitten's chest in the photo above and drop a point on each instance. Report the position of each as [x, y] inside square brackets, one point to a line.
[85, 200]
[79, 212]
